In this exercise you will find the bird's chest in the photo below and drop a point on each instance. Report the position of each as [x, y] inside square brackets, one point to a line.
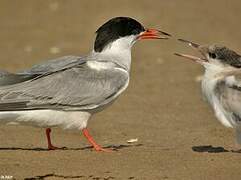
[209, 91]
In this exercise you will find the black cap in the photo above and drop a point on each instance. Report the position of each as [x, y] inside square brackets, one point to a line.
[114, 29]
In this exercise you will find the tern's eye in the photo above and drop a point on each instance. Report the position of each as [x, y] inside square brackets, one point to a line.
[212, 55]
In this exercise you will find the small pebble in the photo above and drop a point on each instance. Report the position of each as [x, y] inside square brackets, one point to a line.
[132, 140]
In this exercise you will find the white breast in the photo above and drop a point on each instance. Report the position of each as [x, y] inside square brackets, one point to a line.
[208, 88]
[46, 118]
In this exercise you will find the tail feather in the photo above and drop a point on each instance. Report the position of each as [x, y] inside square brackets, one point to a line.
[7, 78]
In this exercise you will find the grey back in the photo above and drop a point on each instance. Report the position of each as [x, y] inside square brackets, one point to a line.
[68, 85]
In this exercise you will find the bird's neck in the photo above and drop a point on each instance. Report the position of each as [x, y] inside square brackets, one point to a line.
[216, 72]
[118, 52]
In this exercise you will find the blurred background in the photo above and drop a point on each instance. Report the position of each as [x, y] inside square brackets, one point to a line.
[162, 107]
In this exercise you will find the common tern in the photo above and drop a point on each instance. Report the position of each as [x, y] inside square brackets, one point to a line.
[67, 91]
[221, 83]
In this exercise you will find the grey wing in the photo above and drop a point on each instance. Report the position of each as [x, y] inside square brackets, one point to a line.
[55, 65]
[72, 89]
[229, 93]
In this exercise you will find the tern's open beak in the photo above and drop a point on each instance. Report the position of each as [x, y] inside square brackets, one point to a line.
[195, 46]
[153, 34]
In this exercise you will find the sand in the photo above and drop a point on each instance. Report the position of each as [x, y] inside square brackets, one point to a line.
[178, 136]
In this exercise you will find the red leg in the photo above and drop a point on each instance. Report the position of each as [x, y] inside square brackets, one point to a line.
[50, 146]
[93, 143]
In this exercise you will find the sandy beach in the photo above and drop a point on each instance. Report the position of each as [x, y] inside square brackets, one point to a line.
[179, 137]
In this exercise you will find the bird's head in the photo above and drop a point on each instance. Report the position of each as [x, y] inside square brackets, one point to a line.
[213, 56]
[122, 32]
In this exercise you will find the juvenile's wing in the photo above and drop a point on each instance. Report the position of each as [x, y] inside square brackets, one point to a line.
[229, 93]
[79, 87]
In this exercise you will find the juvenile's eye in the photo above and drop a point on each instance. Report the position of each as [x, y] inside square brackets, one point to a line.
[212, 55]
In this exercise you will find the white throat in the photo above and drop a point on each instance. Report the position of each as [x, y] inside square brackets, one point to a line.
[118, 51]
[212, 74]
[212, 69]
[209, 80]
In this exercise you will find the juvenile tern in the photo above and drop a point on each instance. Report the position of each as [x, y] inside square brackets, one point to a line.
[221, 84]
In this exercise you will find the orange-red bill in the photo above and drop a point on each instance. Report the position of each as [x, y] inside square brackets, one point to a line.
[153, 34]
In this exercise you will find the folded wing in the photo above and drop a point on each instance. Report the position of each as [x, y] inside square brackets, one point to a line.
[229, 93]
[73, 88]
